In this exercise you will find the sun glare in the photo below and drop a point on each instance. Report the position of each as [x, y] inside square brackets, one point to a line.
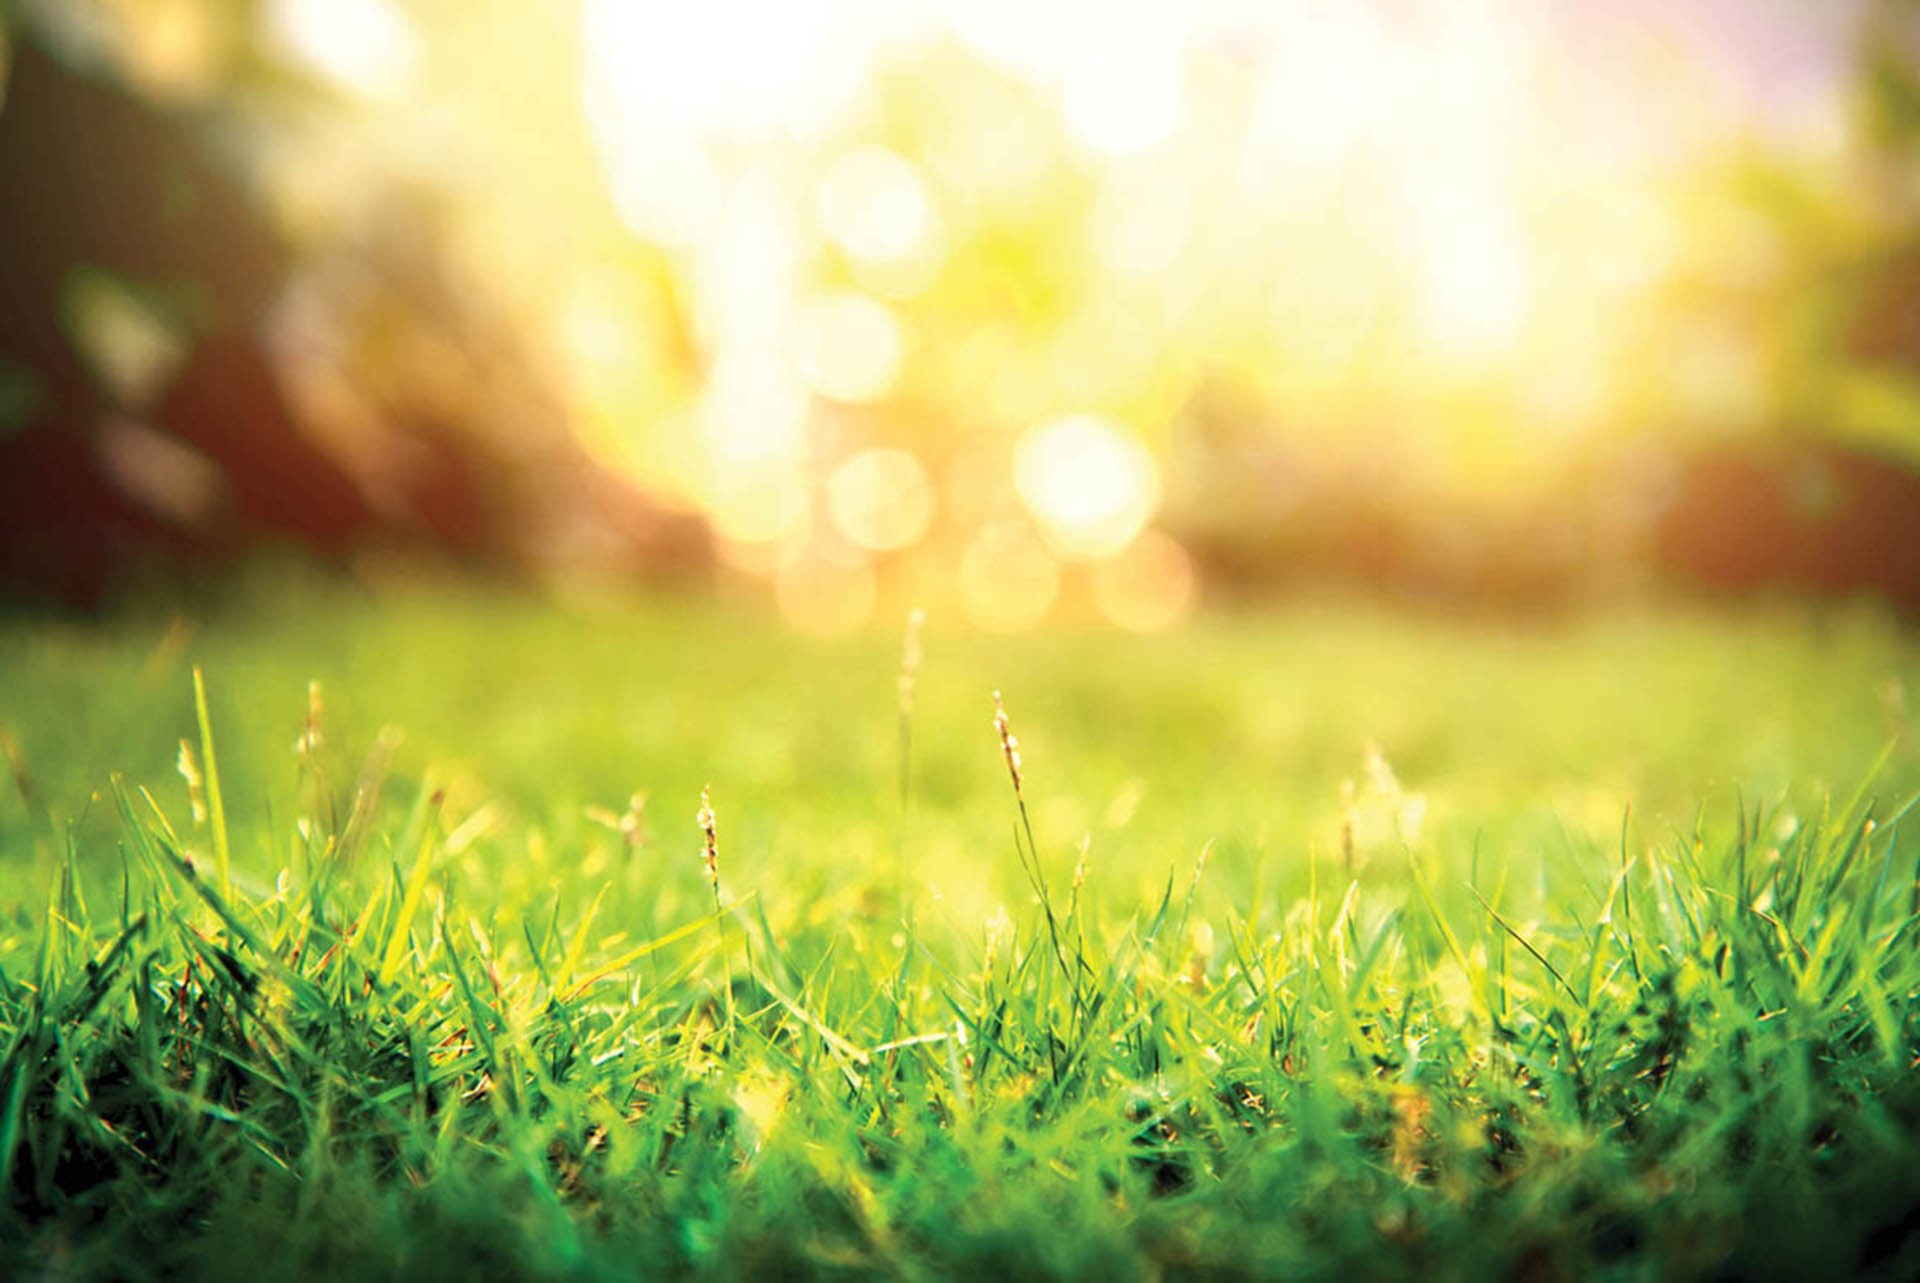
[877, 211]
[737, 69]
[865, 251]
[1089, 482]
[1475, 276]
[881, 500]
[1123, 91]
[850, 347]
[365, 45]
[1148, 588]
[762, 505]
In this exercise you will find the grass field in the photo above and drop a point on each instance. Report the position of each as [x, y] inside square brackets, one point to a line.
[1317, 942]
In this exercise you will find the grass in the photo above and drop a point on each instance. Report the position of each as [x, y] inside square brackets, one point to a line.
[1604, 962]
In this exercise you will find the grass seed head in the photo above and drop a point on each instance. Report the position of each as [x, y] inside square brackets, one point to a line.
[1200, 943]
[910, 659]
[1380, 776]
[999, 928]
[189, 767]
[1009, 745]
[1893, 705]
[710, 840]
[311, 735]
[23, 779]
[627, 823]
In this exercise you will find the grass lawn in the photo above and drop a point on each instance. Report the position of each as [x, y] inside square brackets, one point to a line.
[1326, 941]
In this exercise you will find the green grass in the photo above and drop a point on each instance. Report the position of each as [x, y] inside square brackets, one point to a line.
[1613, 969]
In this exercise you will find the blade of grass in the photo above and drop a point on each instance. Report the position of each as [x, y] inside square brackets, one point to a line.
[216, 801]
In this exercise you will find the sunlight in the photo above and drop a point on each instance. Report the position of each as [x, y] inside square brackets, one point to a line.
[1092, 485]
[850, 347]
[755, 411]
[1372, 214]
[1324, 310]
[1124, 91]
[908, 539]
[875, 208]
[1475, 294]
[665, 186]
[1321, 97]
[743, 69]
[827, 591]
[1140, 222]
[178, 49]
[364, 45]
[798, 269]
[1149, 588]
[881, 500]
[600, 338]
[128, 344]
[1008, 578]
[763, 507]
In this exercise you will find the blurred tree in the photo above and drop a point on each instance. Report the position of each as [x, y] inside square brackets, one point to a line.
[189, 369]
[144, 413]
[1825, 497]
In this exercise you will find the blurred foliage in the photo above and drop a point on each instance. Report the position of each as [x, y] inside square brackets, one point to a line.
[555, 286]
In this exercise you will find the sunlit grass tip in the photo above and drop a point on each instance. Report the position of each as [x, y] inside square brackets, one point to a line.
[910, 656]
[709, 842]
[1009, 744]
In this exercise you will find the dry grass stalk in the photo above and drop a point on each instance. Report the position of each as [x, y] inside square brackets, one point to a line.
[1009, 745]
[627, 823]
[17, 762]
[189, 767]
[1029, 854]
[710, 843]
[311, 734]
[910, 660]
[908, 680]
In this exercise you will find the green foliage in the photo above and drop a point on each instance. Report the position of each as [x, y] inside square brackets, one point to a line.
[437, 1030]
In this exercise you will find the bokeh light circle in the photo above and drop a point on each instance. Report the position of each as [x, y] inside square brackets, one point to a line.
[881, 500]
[1089, 482]
[850, 347]
[1149, 588]
[1008, 578]
[826, 591]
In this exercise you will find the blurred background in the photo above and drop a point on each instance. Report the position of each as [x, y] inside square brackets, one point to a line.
[1032, 310]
